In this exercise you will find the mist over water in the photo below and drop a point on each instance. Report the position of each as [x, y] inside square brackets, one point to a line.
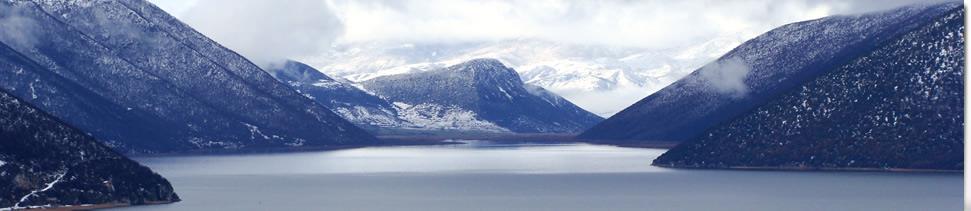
[491, 176]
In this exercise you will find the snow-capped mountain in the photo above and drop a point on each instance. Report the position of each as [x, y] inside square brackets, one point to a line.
[139, 80]
[47, 163]
[466, 99]
[754, 73]
[343, 97]
[600, 79]
[479, 95]
[898, 104]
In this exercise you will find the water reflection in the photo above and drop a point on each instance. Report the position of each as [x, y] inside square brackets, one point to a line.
[470, 157]
[495, 176]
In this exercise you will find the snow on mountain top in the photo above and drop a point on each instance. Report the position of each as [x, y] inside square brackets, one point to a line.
[599, 79]
[484, 62]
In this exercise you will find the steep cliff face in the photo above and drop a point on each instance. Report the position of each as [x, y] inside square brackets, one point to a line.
[756, 72]
[481, 94]
[899, 105]
[46, 163]
[141, 81]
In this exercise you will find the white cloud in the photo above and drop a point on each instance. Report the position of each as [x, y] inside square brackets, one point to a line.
[266, 31]
[727, 76]
[176, 8]
[16, 30]
[651, 24]
[375, 35]
[646, 24]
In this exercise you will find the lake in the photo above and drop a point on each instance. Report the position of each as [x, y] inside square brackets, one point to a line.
[490, 176]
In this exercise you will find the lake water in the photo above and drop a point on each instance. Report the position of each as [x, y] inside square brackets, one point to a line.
[485, 176]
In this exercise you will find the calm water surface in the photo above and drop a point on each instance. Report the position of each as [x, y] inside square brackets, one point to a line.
[485, 176]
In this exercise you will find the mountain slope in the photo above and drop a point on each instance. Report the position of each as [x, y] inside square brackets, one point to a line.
[481, 94]
[600, 79]
[141, 81]
[754, 73]
[46, 163]
[352, 103]
[898, 106]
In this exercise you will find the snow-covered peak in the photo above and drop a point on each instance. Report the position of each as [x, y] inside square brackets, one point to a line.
[482, 69]
[600, 79]
[489, 90]
[483, 63]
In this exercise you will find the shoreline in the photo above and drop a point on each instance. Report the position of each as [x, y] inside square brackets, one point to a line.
[274, 150]
[422, 140]
[388, 141]
[638, 144]
[101, 206]
[814, 169]
[497, 137]
[656, 145]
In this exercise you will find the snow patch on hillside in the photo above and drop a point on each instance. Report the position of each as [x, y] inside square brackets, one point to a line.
[429, 116]
[599, 79]
[35, 192]
[362, 114]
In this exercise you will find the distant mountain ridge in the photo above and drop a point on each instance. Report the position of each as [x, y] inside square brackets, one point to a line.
[771, 64]
[600, 79]
[352, 103]
[46, 163]
[898, 106]
[483, 90]
[139, 80]
[479, 96]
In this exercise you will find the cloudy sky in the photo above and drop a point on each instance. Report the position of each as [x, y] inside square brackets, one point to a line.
[268, 30]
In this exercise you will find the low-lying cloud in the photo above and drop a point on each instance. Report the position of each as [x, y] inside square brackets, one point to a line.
[727, 76]
[641, 24]
[124, 30]
[16, 29]
[266, 31]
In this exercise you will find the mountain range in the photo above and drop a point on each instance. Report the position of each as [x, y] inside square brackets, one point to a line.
[344, 98]
[754, 73]
[480, 95]
[600, 79]
[895, 104]
[86, 81]
[47, 163]
[141, 81]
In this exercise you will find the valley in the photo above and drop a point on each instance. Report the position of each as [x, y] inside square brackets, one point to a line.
[116, 104]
